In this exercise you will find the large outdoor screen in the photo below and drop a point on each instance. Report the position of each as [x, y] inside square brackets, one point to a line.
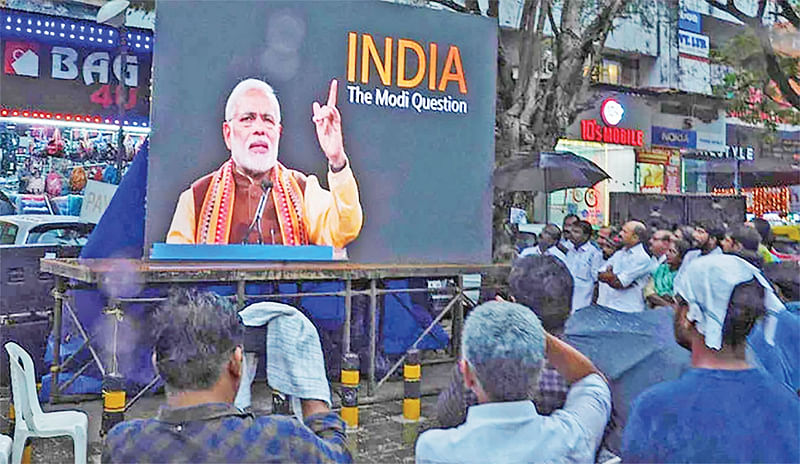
[382, 122]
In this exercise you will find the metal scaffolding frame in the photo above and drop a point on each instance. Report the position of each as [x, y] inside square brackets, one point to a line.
[83, 274]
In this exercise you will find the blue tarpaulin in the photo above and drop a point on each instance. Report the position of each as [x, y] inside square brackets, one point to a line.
[120, 234]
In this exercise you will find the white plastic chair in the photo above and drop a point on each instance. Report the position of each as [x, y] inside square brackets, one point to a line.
[31, 420]
[5, 449]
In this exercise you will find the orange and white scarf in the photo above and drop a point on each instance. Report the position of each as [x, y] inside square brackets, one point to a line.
[217, 210]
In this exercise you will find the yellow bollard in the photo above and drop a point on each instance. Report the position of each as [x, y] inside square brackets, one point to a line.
[412, 372]
[27, 452]
[113, 402]
[350, 380]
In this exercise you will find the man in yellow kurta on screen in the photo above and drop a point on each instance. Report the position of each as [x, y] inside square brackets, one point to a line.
[252, 198]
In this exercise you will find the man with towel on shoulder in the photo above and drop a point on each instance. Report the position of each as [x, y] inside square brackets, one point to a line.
[723, 409]
[198, 353]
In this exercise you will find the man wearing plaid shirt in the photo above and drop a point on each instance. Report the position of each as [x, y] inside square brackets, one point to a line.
[543, 284]
[198, 353]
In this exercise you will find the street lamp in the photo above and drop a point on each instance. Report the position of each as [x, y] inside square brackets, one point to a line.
[113, 14]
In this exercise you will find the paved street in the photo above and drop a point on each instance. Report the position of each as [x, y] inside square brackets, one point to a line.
[382, 436]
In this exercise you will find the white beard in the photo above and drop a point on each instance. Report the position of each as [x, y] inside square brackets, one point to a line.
[253, 163]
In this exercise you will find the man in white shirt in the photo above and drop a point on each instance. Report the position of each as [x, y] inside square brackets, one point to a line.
[565, 244]
[548, 239]
[503, 350]
[624, 275]
[583, 261]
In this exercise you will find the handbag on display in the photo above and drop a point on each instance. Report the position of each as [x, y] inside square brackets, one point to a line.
[53, 184]
[77, 180]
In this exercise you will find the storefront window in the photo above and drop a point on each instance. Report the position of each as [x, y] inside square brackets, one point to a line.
[617, 71]
[43, 165]
[592, 204]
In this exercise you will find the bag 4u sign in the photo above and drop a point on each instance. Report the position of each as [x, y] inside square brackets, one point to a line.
[61, 76]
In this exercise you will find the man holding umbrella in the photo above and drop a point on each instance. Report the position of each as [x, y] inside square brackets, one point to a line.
[723, 409]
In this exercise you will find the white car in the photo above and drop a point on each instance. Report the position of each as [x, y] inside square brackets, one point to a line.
[43, 229]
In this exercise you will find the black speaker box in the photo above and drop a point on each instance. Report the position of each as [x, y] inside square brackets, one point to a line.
[728, 210]
[654, 210]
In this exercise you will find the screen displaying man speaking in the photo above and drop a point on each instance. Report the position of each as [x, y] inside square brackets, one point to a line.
[253, 198]
[415, 184]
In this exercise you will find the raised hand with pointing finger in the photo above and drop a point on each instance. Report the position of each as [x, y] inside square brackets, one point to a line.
[328, 123]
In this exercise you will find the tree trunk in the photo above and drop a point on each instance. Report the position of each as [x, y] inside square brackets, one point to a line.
[536, 112]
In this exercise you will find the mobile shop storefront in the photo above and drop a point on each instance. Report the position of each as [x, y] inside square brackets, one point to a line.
[59, 117]
[676, 135]
[610, 136]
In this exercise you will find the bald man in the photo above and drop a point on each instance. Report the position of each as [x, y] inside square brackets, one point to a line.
[625, 274]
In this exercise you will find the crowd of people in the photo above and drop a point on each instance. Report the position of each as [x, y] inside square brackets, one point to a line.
[521, 394]
[630, 268]
[521, 391]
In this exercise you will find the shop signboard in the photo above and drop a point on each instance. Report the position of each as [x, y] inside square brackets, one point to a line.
[415, 104]
[689, 20]
[679, 138]
[780, 145]
[55, 67]
[711, 137]
[733, 152]
[612, 112]
[694, 74]
[693, 44]
[667, 137]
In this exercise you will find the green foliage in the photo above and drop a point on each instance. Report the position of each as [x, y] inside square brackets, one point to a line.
[752, 95]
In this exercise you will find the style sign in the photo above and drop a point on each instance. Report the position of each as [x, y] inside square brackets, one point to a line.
[689, 20]
[664, 136]
[96, 198]
[693, 44]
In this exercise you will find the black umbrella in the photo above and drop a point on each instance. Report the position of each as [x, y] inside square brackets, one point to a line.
[633, 350]
[548, 171]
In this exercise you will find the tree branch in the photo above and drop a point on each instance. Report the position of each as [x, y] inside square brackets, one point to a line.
[535, 67]
[774, 70]
[452, 5]
[472, 6]
[556, 32]
[731, 9]
[599, 27]
[530, 45]
[787, 11]
[762, 4]
[494, 9]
